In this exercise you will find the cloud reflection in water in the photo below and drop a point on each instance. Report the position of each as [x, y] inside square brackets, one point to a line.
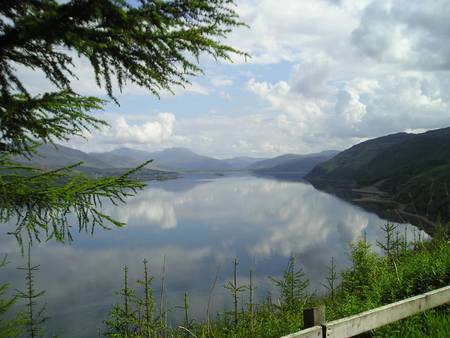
[197, 228]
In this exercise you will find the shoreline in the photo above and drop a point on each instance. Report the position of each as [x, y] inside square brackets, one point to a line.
[372, 199]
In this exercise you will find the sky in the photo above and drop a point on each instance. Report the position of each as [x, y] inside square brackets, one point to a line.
[324, 74]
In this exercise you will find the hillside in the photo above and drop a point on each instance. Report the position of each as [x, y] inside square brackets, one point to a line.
[122, 157]
[412, 169]
[185, 159]
[60, 156]
[242, 162]
[300, 164]
[354, 163]
[271, 162]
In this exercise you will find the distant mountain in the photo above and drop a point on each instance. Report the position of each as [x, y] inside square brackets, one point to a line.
[243, 162]
[123, 157]
[135, 154]
[413, 170]
[61, 156]
[172, 159]
[167, 159]
[185, 159]
[271, 162]
[300, 164]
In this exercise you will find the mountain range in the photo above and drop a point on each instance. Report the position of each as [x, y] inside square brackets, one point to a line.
[179, 159]
[171, 159]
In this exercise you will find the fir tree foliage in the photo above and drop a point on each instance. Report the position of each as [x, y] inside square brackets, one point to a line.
[332, 278]
[187, 322]
[292, 285]
[11, 326]
[235, 290]
[123, 319]
[46, 117]
[146, 304]
[150, 43]
[40, 201]
[391, 242]
[35, 315]
[134, 315]
[155, 44]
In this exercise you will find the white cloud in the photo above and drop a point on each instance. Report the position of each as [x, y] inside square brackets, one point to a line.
[284, 30]
[123, 131]
[148, 132]
[397, 103]
[361, 71]
[411, 33]
[249, 134]
[272, 148]
[216, 135]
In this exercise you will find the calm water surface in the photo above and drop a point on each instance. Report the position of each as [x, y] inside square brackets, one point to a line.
[199, 226]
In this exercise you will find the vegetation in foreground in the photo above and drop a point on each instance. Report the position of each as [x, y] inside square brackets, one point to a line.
[405, 269]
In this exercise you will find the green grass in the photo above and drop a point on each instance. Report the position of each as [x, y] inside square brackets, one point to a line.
[433, 323]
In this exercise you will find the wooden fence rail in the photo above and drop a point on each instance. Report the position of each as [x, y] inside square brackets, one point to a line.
[314, 319]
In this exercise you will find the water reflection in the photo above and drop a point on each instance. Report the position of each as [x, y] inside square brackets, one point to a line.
[198, 225]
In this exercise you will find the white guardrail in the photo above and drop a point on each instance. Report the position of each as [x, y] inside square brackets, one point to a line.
[316, 327]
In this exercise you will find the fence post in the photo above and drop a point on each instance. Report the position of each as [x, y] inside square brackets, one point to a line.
[313, 317]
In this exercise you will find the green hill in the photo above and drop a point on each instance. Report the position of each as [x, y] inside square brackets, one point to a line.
[300, 164]
[412, 169]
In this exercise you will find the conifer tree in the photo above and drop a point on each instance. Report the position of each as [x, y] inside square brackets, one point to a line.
[35, 317]
[235, 290]
[146, 304]
[14, 325]
[293, 285]
[332, 279]
[152, 43]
